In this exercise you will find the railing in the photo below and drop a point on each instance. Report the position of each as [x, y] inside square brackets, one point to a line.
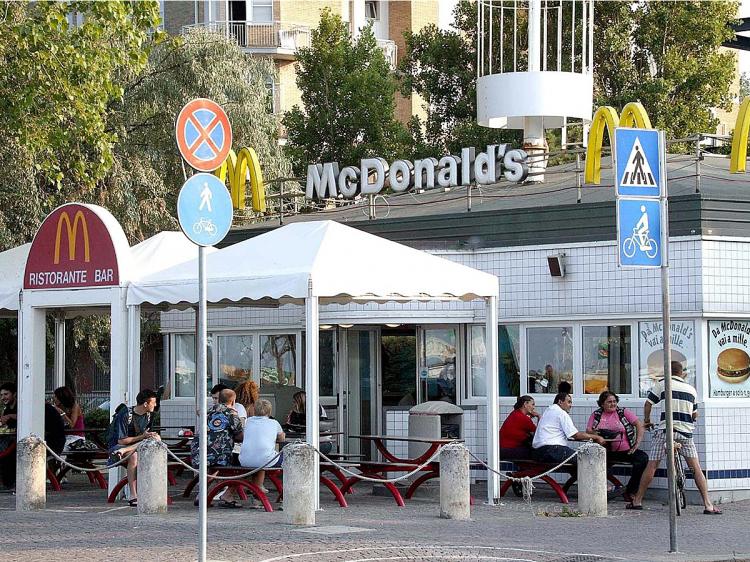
[390, 50]
[88, 400]
[271, 35]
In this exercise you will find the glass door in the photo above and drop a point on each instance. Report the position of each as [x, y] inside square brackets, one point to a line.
[359, 388]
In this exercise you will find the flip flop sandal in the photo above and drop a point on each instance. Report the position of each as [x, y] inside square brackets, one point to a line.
[636, 507]
[714, 511]
[229, 505]
[133, 503]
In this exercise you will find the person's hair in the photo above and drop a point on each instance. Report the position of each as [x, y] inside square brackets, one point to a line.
[565, 387]
[215, 389]
[299, 402]
[263, 408]
[10, 387]
[560, 397]
[603, 397]
[676, 369]
[522, 400]
[247, 393]
[66, 397]
[226, 396]
[144, 396]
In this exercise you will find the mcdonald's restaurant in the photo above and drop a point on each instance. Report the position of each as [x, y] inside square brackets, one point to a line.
[567, 312]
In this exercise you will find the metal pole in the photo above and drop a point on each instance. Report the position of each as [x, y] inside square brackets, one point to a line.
[666, 336]
[578, 176]
[698, 158]
[202, 393]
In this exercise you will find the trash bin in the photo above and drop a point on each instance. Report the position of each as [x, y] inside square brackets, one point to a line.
[433, 420]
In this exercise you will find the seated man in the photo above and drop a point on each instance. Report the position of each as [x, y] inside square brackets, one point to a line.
[555, 427]
[131, 426]
[9, 419]
[224, 429]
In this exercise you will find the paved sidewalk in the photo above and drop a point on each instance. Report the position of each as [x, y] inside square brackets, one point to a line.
[79, 525]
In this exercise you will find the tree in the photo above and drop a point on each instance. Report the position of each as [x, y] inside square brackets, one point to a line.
[744, 85]
[664, 54]
[348, 93]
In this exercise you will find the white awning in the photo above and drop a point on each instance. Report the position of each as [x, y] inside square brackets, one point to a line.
[12, 267]
[323, 259]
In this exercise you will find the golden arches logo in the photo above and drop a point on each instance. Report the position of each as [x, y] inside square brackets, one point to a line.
[738, 157]
[72, 232]
[633, 115]
[240, 167]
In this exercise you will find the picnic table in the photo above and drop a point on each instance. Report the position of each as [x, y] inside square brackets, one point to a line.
[380, 445]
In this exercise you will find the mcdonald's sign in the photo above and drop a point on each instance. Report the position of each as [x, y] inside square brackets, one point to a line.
[73, 248]
[238, 169]
[738, 157]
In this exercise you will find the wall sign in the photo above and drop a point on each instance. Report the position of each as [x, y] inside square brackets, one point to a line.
[374, 174]
[729, 358]
[651, 351]
[73, 248]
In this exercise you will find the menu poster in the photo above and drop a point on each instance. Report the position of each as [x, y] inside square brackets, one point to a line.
[651, 351]
[728, 359]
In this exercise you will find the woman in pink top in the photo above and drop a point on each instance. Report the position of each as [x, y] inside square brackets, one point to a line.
[624, 431]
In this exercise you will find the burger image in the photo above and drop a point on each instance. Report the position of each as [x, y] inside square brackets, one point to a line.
[655, 363]
[733, 365]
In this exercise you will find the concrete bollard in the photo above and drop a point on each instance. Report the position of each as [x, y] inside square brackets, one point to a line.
[31, 474]
[299, 488]
[592, 480]
[152, 477]
[455, 495]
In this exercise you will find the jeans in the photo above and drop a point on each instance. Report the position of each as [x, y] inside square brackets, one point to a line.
[553, 454]
[638, 460]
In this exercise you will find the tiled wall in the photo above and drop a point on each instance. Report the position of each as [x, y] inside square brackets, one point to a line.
[726, 276]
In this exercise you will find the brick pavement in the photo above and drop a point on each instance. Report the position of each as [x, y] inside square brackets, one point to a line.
[79, 525]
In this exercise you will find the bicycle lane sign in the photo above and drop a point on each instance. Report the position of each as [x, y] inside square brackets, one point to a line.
[639, 232]
[204, 209]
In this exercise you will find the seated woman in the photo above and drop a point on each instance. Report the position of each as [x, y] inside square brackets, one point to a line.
[296, 421]
[259, 443]
[67, 406]
[624, 433]
[518, 430]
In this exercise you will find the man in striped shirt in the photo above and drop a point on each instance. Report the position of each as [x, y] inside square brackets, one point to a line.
[684, 414]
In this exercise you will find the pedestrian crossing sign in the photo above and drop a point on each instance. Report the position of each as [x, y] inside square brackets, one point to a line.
[639, 163]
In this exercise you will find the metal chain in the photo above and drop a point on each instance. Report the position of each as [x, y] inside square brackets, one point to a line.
[123, 460]
[234, 477]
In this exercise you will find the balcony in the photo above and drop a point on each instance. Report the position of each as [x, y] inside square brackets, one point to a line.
[390, 50]
[277, 38]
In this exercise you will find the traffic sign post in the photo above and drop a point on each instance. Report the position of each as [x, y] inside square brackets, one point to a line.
[204, 211]
[640, 167]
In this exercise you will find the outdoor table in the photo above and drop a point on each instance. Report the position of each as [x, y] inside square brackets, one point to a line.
[93, 434]
[379, 441]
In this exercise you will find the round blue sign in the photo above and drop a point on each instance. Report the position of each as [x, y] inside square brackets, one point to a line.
[204, 209]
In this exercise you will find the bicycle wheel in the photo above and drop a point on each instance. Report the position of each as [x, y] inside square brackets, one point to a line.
[652, 248]
[679, 473]
[628, 248]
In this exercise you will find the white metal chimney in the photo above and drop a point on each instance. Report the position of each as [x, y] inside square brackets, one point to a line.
[537, 80]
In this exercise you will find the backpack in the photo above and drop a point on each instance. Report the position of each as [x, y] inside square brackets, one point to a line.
[630, 431]
[110, 434]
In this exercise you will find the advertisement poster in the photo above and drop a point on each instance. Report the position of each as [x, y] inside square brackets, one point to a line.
[651, 351]
[729, 359]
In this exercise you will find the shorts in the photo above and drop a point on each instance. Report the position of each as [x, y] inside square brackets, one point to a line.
[659, 450]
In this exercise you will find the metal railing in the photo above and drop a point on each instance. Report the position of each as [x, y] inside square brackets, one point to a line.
[390, 50]
[250, 35]
[88, 400]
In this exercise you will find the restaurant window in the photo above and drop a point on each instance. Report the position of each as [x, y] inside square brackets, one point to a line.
[262, 11]
[509, 372]
[185, 367]
[438, 364]
[326, 363]
[549, 353]
[235, 354]
[398, 347]
[278, 361]
[372, 10]
[606, 359]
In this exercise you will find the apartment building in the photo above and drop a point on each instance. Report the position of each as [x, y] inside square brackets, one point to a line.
[277, 28]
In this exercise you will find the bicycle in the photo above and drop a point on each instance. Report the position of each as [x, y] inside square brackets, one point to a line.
[629, 246]
[680, 478]
[204, 224]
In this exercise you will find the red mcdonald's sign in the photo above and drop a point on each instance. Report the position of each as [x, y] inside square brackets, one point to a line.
[73, 248]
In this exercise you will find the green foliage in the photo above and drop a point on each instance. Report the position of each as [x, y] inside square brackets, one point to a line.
[97, 418]
[348, 93]
[744, 85]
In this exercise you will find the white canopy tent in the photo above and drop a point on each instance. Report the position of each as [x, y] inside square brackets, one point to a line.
[315, 263]
[12, 265]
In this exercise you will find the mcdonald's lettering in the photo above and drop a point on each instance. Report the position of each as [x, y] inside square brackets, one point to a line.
[72, 231]
[240, 168]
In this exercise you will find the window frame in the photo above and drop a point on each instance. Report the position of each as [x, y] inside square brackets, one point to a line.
[260, 4]
[634, 358]
[468, 398]
[376, 8]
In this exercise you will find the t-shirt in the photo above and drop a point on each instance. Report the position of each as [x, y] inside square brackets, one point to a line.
[128, 423]
[259, 444]
[54, 429]
[684, 399]
[240, 409]
[223, 426]
[611, 421]
[554, 428]
[516, 431]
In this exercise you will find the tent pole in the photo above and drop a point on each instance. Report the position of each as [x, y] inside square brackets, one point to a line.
[493, 393]
[118, 371]
[312, 407]
[59, 368]
[134, 352]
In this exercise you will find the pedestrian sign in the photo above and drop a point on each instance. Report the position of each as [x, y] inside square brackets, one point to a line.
[639, 232]
[639, 166]
[204, 135]
[204, 209]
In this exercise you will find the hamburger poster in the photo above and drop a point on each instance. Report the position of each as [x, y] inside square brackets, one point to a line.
[651, 351]
[729, 358]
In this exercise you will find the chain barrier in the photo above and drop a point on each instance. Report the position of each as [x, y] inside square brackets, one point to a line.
[233, 477]
[65, 462]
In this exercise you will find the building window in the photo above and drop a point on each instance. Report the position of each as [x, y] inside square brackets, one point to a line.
[185, 367]
[549, 355]
[235, 359]
[372, 10]
[271, 95]
[399, 358]
[606, 359]
[651, 351]
[509, 372]
[278, 361]
[326, 364]
[262, 11]
[438, 365]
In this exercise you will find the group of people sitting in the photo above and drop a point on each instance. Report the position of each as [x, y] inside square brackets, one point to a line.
[618, 429]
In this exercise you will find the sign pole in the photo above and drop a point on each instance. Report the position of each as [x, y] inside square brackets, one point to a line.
[667, 337]
[202, 394]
